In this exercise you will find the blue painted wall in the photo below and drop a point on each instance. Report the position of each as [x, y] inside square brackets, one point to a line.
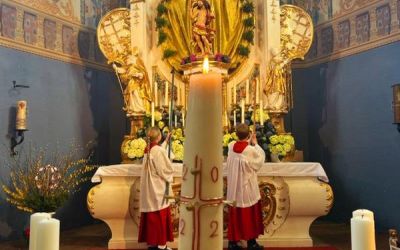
[66, 102]
[343, 118]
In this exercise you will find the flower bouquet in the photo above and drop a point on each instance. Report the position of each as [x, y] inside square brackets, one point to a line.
[43, 182]
[178, 139]
[134, 148]
[226, 139]
[281, 145]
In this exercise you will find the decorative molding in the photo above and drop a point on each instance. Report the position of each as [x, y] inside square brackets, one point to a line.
[366, 28]
[26, 29]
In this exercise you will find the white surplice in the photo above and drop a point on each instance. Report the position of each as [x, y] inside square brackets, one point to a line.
[242, 175]
[157, 171]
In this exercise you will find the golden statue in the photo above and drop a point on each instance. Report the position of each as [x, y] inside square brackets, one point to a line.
[276, 87]
[202, 31]
[135, 86]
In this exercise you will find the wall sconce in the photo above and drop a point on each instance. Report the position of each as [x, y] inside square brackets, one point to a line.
[20, 126]
[396, 105]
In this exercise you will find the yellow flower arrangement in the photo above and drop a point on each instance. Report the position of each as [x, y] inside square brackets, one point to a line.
[178, 150]
[38, 184]
[281, 145]
[134, 149]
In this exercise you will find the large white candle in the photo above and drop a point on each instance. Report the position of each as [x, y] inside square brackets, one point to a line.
[242, 110]
[363, 212]
[48, 234]
[156, 93]
[21, 115]
[234, 117]
[247, 92]
[166, 94]
[362, 233]
[183, 118]
[152, 114]
[33, 234]
[201, 193]
[261, 113]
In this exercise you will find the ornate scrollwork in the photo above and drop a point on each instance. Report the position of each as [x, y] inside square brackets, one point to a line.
[134, 211]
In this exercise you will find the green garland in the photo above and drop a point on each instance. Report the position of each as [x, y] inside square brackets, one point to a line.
[247, 40]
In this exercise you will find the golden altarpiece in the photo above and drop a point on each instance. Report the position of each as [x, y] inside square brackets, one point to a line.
[253, 42]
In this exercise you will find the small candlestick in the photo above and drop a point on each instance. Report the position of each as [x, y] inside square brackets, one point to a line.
[234, 117]
[21, 116]
[257, 91]
[242, 110]
[156, 93]
[152, 114]
[261, 113]
[234, 93]
[247, 92]
[166, 94]
[176, 121]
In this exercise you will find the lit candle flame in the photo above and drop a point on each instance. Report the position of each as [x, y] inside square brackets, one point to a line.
[206, 65]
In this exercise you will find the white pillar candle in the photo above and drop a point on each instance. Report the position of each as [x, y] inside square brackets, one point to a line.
[166, 94]
[362, 233]
[202, 186]
[234, 117]
[247, 92]
[21, 116]
[33, 234]
[257, 91]
[234, 93]
[176, 121]
[242, 110]
[363, 212]
[152, 114]
[48, 234]
[261, 113]
[156, 93]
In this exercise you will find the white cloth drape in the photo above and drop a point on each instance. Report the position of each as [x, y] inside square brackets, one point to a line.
[242, 175]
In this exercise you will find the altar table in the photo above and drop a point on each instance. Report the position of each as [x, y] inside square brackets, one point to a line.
[293, 195]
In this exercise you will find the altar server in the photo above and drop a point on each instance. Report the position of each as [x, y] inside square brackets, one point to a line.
[155, 221]
[245, 158]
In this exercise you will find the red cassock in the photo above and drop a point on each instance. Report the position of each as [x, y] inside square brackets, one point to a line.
[245, 221]
[156, 227]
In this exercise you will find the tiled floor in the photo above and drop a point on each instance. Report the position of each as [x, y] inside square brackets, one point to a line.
[96, 236]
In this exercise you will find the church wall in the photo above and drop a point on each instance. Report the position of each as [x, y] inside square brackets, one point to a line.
[66, 103]
[343, 118]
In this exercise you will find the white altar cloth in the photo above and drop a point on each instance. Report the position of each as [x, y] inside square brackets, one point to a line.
[283, 169]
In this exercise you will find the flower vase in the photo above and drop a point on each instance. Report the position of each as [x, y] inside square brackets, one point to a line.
[275, 158]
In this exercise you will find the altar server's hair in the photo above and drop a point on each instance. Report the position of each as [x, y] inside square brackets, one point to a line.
[153, 133]
[242, 131]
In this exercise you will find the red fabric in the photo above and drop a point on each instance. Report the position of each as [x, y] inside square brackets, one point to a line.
[148, 148]
[156, 227]
[245, 223]
[239, 146]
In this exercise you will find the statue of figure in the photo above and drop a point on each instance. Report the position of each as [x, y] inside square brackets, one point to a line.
[203, 34]
[276, 87]
[393, 238]
[136, 86]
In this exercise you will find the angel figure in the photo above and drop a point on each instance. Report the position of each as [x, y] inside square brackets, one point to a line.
[135, 86]
[393, 238]
[276, 87]
[202, 32]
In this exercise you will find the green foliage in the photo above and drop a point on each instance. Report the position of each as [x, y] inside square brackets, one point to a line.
[248, 7]
[249, 36]
[168, 53]
[249, 22]
[161, 9]
[160, 22]
[243, 50]
[162, 37]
